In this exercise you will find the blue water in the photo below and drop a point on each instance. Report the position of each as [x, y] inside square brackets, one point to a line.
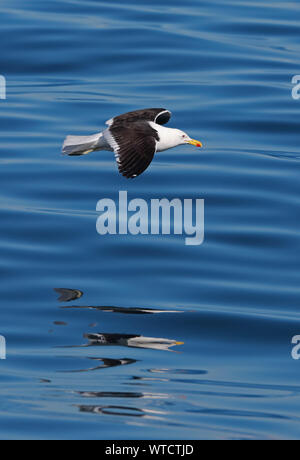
[224, 68]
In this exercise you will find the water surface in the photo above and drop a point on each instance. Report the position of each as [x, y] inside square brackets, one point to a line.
[160, 340]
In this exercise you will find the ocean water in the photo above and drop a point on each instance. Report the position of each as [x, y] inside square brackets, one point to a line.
[194, 342]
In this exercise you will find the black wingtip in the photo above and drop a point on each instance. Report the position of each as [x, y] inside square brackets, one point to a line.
[164, 117]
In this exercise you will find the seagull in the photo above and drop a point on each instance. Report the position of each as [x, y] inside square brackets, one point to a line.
[134, 137]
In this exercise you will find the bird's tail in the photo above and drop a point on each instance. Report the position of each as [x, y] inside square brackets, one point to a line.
[81, 145]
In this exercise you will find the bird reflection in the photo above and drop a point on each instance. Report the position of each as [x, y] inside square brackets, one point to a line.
[106, 363]
[67, 295]
[128, 311]
[117, 394]
[121, 410]
[128, 340]
[113, 410]
[115, 339]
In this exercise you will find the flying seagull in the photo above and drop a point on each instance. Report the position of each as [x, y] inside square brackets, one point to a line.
[134, 137]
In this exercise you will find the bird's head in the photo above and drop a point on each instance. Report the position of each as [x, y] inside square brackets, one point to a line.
[185, 139]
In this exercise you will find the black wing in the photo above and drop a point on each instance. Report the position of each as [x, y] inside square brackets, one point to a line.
[134, 145]
[159, 116]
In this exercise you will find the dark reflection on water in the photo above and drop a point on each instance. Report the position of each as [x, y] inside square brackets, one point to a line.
[106, 363]
[113, 339]
[126, 311]
[109, 394]
[69, 294]
[128, 340]
[115, 410]
[193, 381]
[66, 295]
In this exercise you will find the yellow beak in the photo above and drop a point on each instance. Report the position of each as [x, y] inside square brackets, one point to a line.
[196, 143]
